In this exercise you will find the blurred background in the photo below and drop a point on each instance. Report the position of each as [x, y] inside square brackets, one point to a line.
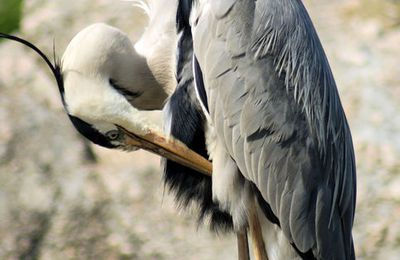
[62, 198]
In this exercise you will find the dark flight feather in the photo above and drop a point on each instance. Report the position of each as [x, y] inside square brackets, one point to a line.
[191, 188]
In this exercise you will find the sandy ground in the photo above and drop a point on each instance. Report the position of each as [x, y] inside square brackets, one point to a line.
[57, 203]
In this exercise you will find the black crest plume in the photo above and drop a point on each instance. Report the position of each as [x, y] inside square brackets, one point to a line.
[55, 68]
[81, 126]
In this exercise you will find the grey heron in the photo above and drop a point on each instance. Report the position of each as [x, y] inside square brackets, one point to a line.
[254, 92]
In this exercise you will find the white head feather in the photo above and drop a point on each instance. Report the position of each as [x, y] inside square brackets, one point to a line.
[100, 53]
[97, 54]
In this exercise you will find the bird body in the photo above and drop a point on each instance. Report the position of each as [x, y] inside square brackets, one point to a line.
[278, 129]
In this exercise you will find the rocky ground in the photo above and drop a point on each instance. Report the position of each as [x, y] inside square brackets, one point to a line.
[60, 201]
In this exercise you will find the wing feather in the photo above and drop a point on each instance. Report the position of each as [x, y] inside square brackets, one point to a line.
[274, 103]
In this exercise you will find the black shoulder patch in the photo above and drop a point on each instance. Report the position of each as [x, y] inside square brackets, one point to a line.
[183, 14]
[187, 125]
[198, 77]
[191, 187]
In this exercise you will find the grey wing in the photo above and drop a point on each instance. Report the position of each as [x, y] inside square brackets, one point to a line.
[274, 103]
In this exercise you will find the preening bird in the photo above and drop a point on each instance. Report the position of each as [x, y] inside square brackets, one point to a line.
[254, 93]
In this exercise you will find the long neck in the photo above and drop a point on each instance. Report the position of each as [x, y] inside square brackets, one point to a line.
[158, 43]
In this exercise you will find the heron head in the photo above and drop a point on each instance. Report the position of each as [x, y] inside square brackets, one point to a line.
[106, 80]
[104, 84]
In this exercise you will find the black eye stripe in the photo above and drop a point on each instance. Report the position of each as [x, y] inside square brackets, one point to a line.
[127, 93]
[90, 133]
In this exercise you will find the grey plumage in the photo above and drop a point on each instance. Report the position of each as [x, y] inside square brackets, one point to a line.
[275, 107]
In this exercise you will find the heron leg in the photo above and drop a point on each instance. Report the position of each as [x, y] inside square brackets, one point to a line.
[259, 250]
[243, 245]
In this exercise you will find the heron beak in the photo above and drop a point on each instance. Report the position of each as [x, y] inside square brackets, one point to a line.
[169, 148]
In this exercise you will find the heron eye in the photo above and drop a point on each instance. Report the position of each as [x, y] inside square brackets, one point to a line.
[112, 135]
